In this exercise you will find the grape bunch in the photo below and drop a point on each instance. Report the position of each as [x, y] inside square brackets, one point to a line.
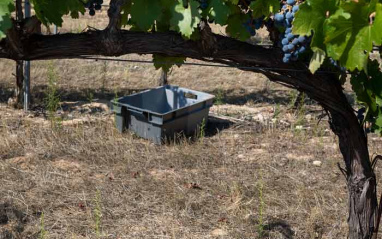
[93, 5]
[203, 4]
[368, 126]
[360, 114]
[251, 25]
[292, 45]
[336, 65]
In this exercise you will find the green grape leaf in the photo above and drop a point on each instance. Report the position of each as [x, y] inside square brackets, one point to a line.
[361, 87]
[377, 26]
[309, 20]
[163, 23]
[234, 2]
[6, 8]
[264, 7]
[377, 125]
[317, 59]
[219, 11]
[185, 20]
[368, 88]
[166, 62]
[375, 76]
[311, 17]
[349, 35]
[145, 12]
[235, 26]
[126, 9]
[52, 11]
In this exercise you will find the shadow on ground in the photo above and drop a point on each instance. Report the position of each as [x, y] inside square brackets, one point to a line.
[242, 97]
[215, 125]
[12, 221]
[280, 226]
[236, 97]
[5, 93]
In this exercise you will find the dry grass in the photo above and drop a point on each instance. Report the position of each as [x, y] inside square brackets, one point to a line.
[253, 179]
[150, 191]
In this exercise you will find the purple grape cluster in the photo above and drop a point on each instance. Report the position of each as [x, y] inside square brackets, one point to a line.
[360, 114]
[93, 5]
[203, 4]
[292, 45]
[335, 64]
[368, 127]
[251, 25]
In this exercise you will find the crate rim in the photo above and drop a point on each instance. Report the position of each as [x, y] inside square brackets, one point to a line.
[210, 97]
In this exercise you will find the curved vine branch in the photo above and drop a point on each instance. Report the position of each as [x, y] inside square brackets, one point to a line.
[226, 51]
[114, 14]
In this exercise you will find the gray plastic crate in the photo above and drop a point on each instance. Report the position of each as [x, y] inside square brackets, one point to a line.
[162, 112]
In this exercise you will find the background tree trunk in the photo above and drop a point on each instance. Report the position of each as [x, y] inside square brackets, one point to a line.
[163, 78]
[19, 93]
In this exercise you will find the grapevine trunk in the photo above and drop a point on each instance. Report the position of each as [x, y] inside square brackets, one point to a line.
[360, 177]
[361, 182]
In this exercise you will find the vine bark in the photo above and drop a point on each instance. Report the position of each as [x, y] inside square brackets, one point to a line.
[18, 97]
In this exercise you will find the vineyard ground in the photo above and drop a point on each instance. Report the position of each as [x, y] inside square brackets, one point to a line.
[263, 169]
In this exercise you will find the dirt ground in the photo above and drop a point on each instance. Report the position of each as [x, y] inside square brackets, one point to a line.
[263, 170]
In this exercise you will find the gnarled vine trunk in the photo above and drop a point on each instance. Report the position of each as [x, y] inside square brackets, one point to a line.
[361, 181]
[324, 88]
[360, 177]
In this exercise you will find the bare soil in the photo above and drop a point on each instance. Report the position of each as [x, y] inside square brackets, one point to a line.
[263, 170]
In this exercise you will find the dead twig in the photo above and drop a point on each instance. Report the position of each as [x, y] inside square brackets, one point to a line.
[343, 171]
[374, 162]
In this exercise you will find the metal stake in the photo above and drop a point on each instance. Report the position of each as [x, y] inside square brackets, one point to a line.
[27, 65]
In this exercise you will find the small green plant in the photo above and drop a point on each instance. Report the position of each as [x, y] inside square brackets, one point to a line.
[260, 225]
[202, 129]
[301, 111]
[43, 232]
[97, 214]
[277, 111]
[219, 99]
[52, 99]
[318, 131]
[115, 101]
[115, 95]
[104, 76]
[293, 95]
[90, 96]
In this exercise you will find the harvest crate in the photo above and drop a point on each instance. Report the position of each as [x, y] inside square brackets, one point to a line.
[162, 112]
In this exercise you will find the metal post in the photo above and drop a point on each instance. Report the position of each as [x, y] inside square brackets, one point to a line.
[27, 65]
[55, 29]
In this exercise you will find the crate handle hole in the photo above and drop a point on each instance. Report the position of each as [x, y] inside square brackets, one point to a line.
[190, 96]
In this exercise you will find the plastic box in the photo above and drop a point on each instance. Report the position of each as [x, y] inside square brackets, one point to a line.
[163, 112]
